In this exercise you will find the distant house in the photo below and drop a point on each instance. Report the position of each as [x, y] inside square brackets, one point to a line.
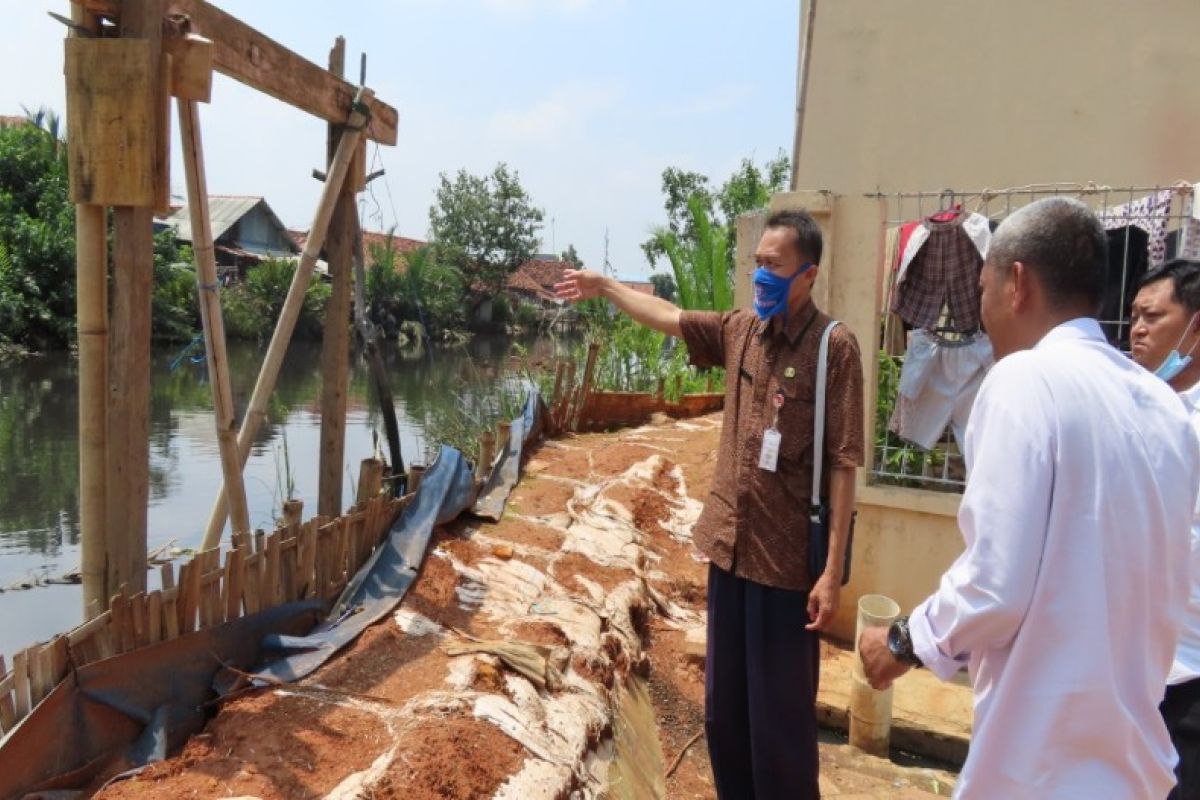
[245, 232]
[534, 280]
[12, 122]
[373, 241]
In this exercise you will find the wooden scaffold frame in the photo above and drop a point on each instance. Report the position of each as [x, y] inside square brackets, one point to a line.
[125, 60]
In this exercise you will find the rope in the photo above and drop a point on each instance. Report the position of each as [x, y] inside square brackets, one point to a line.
[185, 352]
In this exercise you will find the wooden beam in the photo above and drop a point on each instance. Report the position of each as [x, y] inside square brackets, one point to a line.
[253, 58]
[335, 346]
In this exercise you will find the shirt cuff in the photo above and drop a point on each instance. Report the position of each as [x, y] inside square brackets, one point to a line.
[925, 647]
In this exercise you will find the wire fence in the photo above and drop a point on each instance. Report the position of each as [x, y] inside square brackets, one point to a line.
[1145, 225]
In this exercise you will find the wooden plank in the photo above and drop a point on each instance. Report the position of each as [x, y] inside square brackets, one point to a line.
[154, 617]
[137, 620]
[191, 67]
[271, 585]
[8, 713]
[60, 659]
[231, 588]
[251, 591]
[252, 58]
[118, 606]
[168, 576]
[189, 584]
[39, 677]
[143, 19]
[308, 560]
[20, 673]
[111, 110]
[289, 567]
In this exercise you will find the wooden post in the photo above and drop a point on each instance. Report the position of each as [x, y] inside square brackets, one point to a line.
[487, 453]
[415, 473]
[269, 373]
[370, 480]
[585, 388]
[128, 395]
[293, 513]
[210, 315]
[335, 347]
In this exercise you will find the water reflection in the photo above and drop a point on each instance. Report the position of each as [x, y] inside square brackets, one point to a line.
[39, 458]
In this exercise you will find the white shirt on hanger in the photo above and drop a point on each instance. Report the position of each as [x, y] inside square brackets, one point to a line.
[1187, 653]
[1083, 471]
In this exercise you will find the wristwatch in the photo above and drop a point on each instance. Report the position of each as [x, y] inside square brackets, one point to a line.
[899, 642]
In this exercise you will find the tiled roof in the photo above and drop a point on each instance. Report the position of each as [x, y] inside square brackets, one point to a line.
[546, 272]
[371, 241]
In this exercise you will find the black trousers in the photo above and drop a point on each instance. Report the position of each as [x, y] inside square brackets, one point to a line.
[1181, 710]
[760, 691]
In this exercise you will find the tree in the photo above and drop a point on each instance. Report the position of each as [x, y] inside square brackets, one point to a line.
[571, 256]
[701, 230]
[664, 286]
[485, 226]
[37, 239]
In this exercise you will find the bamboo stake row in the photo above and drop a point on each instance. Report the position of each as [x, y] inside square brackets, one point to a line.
[296, 562]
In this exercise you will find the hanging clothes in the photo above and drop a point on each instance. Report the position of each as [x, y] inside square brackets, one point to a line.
[940, 267]
[1148, 213]
[938, 383]
[1128, 261]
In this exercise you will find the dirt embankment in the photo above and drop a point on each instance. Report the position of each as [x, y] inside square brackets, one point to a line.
[500, 674]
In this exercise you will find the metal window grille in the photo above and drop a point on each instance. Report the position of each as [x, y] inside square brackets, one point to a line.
[1142, 239]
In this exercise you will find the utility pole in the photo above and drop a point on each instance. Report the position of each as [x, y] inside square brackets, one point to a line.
[608, 269]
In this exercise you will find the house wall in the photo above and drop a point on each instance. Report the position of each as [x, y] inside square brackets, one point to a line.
[258, 233]
[925, 94]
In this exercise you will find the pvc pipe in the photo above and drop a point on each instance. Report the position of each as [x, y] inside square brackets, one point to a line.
[870, 709]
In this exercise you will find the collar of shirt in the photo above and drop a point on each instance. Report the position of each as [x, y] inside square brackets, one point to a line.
[1191, 397]
[794, 325]
[1078, 329]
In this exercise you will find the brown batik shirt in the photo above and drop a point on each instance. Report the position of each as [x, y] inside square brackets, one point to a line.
[755, 522]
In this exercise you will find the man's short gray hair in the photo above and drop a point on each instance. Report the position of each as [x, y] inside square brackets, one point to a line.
[1063, 242]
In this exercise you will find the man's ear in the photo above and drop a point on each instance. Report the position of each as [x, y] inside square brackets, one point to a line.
[1021, 286]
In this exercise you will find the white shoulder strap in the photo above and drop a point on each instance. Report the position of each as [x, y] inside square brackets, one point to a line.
[819, 413]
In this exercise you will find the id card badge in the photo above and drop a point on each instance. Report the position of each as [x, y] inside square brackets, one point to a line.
[768, 457]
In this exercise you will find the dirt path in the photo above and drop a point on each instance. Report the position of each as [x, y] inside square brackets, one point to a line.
[499, 675]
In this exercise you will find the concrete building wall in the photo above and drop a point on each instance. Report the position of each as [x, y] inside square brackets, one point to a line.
[925, 94]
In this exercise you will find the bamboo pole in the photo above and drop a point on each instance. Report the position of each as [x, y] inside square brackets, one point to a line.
[91, 250]
[370, 480]
[269, 373]
[210, 317]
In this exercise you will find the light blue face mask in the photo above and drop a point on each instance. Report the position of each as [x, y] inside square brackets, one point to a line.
[1174, 362]
[771, 291]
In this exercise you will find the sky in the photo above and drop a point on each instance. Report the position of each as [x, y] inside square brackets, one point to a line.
[588, 100]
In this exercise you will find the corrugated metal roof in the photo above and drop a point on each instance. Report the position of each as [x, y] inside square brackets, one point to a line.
[224, 212]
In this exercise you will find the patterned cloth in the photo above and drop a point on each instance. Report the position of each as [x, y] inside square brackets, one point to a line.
[943, 271]
[1148, 213]
[755, 522]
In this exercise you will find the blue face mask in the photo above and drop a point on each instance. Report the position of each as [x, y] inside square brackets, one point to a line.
[771, 291]
[1175, 363]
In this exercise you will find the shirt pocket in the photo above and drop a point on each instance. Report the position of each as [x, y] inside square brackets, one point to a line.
[795, 425]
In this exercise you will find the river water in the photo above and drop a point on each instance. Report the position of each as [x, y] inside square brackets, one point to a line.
[435, 391]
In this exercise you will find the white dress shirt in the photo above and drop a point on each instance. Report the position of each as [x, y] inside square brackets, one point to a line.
[1187, 653]
[1067, 602]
